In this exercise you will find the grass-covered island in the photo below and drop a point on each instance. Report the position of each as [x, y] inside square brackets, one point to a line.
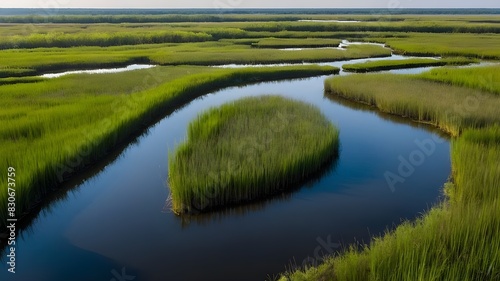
[369, 66]
[248, 149]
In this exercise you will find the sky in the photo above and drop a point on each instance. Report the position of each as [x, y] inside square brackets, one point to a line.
[394, 4]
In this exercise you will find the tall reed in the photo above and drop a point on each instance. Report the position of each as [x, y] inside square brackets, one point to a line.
[404, 63]
[452, 108]
[246, 150]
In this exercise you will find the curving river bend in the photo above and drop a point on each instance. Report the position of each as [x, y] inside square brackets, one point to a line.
[113, 222]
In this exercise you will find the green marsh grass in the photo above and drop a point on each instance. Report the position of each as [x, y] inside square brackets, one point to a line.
[247, 55]
[486, 78]
[452, 108]
[296, 43]
[15, 80]
[247, 150]
[457, 239]
[483, 46]
[50, 123]
[55, 128]
[405, 63]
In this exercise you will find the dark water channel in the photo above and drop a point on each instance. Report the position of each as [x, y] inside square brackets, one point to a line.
[114, 225]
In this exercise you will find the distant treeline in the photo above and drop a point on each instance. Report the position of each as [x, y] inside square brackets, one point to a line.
[223, 7]
[135, 18]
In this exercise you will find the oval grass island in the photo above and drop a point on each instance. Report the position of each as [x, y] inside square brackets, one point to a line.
[247, 150]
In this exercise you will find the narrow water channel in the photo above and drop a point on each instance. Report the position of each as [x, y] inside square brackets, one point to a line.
[115, 222]
[342, 46]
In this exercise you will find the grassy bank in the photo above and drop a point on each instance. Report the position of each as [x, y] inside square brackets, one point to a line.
[16, 80]
[370, 66]
[482, 46]
[248, 55]
[458, 239]
[452, 108]
[296, 43]
[54, 128]
[486, 78]
[247, 150]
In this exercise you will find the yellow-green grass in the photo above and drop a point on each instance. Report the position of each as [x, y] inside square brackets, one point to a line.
[483, 46]
[457, 239]
[16, 72]
[486, 78]
[15, 80]
[47, 34]
[54, 128]
[248, 55]
[62, 40]
[247, 150]
[452, 108]
[404, 63]
[296, 43]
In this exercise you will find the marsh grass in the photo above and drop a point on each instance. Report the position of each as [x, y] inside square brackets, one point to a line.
[16, 72]
[55, 128]
[247, 55]
[482, 46]
[458, 239]
[405, 63]
[65, 40]
[16, 80]
[451, 108]
[296, 43]
[247, 150]
[486, 78]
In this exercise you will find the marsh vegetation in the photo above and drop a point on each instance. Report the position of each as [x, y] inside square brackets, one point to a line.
[246, 150]
[370, 66]
[53, 129]
[453, 240]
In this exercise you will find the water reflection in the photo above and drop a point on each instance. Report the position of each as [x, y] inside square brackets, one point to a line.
[385, 116]
[242, 209]
[99, 71]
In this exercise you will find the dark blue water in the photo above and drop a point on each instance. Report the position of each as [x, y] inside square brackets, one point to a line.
[114, 225]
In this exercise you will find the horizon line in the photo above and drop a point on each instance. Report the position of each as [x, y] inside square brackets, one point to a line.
[262, 8]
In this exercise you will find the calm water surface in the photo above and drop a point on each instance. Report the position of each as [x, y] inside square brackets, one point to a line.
[99, 71]
[115, 222]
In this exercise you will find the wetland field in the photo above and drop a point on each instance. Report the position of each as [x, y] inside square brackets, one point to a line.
[250, 145]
